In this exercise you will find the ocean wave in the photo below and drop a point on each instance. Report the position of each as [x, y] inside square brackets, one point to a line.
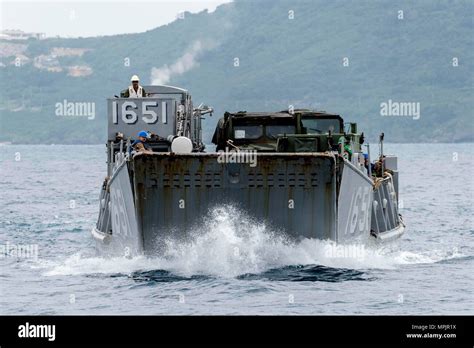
[230, 244]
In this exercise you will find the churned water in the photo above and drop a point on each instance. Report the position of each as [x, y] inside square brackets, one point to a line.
[232, 265]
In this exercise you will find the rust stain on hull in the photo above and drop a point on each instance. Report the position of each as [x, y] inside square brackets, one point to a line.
[264, 191]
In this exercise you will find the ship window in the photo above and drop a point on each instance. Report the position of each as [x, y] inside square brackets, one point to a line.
[321, 125]
[248, 132]
[273, 130]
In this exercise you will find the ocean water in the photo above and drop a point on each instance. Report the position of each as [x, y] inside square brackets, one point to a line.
[49, 203]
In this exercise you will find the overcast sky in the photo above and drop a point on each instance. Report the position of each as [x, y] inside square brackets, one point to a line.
[90, 18]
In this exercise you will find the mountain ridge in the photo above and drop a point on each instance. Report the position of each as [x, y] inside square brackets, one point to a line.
[341, 57]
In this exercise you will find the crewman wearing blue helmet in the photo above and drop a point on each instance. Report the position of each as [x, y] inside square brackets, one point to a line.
[367, 164]
[141, 145]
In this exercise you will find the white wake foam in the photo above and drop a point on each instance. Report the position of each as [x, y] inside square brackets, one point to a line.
[230, 244]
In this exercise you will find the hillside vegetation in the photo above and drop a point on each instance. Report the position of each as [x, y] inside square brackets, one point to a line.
[345, 57]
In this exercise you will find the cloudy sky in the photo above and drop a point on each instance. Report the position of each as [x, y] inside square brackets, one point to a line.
[93, 18]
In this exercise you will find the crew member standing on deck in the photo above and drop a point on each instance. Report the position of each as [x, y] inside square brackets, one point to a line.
[135, 90]
[140, 145]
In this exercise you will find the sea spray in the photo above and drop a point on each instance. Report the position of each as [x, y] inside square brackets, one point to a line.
[230, 243]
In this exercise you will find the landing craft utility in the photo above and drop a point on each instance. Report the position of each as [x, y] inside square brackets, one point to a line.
[305, 174]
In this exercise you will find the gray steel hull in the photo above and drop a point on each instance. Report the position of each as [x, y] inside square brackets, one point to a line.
[303, 195]
[294, 194]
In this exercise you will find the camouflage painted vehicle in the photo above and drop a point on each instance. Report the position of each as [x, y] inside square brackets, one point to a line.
[300, 172]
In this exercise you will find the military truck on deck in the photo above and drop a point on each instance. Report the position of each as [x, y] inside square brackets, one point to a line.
[309, 177]
[284, 131]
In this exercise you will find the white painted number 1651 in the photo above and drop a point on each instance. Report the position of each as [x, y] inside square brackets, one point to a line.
[129, 115]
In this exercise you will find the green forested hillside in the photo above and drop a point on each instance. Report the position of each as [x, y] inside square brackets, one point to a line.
[289, 53]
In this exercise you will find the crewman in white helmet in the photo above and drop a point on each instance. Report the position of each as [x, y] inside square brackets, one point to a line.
[135, 90]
